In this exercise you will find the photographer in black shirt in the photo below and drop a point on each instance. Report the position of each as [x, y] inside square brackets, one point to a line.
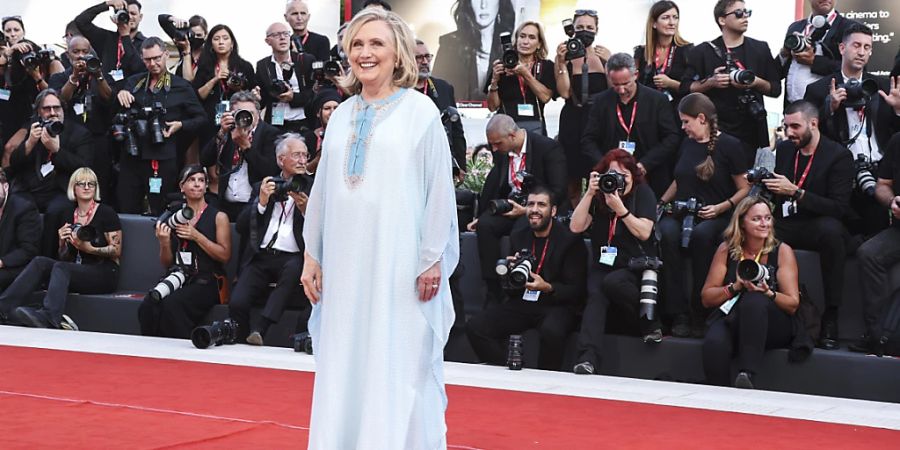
[721, 69]
[120, 50]
[20, 226]
[188, 36]
[549, 298]
[811, 187]
[663, 60]
[296, 14]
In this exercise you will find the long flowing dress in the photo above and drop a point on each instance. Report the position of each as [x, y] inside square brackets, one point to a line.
[381, 212]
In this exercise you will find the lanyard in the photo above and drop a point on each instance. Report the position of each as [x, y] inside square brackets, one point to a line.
[513, 171]
[805, 171]
[120, 52]
[89, 215]
[154, 164]
[622, 120]
[536, 72]
[184, 243]
[284, 213]
[544, 253]
[668, 62]
[736, 61]
[612, 229]
[319, 134]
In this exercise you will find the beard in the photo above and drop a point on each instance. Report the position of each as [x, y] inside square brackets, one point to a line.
[541, 225]
[805, 139]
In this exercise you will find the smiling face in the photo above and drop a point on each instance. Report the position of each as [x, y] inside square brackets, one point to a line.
[222, 43]
[539, 211]
[757, 222]
[372, 55]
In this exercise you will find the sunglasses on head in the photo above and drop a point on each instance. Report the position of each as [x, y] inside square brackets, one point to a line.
[586, 12]
[740, 13]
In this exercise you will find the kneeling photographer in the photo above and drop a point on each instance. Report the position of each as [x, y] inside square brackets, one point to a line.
[272, 227]
[544, 280]
[754, 284]
[89, 250]
[194, 244]
[620, 209]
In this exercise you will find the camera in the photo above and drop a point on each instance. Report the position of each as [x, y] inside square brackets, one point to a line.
[515, 352]
[121, 132]
[503, 206]
[755, 176]
[736, 74]
[516, 272]
[303, 343]
[752, 271]
[332, 67]
[215, 334]
[510, 56]
[168, 284]
[798, 42]
[279, 87]
[92, 64]
[242, 119]
[688, 210]
[122, 17]
[144, 123]
[54, 127]
[236, 80]
[177, 213]
[36, 58]
[294, 184]
[859, 92]
[865, 181]
[752, 105]
[612, 181]
[649, 267]
[575, 47]
[84, 233]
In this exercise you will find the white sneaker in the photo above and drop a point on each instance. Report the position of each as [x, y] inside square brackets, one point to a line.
[67, 323]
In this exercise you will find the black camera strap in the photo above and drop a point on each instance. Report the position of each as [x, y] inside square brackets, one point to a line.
[285, 206]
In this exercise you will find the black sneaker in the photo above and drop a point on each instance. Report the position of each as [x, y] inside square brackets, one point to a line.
[584, 368]
[744, 380]
[31, 317]
[653, 337]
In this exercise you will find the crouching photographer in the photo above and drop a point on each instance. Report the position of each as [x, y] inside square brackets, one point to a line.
[272, 226]
[195, 246]
[620, 209]
[89, 250]
[545, 281]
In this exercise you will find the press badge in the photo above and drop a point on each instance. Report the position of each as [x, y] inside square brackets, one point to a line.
[278, 114]
[187, 258]
[608, 255]
[726, 307]
[78, 108]
[221, 107]
[525, 110]
[788, 208]
[155, 185]
[531, 296]
[4, 94]
[627, 146]
[46, 168]
[117, 75]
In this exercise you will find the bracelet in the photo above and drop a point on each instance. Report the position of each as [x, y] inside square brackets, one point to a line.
[72, 82]
[730, 202]
[627, 213]
[493, 88]
[730, 289]
[774, 294]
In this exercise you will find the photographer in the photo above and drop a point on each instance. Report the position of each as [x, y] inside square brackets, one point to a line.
[523, 80]
[199, 250]
[151, 170]
[662, 61]
[188, 36]
[443, 96]
[816, 53]
[550, 297]
[20, 231]
[272, 226]
[751, 316]
[243, 153]
[88, 248]
[812, 187]
[632, 117]
[860, 120]
[735, 71]
[709, 181]
[41, 165]
[324, 103]
[296, 14]
[622, 228]
[879, 255]
[571, 80]
[285, 82]
[517, 153]
[120, 50]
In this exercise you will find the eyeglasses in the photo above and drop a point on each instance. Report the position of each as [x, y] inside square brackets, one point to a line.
[86, 184]
[50, 108]
[740, 13]
[298, 156]
[156, 58]
[280, 34]
[586, 12]
[425, 57]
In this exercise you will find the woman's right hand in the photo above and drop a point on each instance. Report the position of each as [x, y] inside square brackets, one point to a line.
[498, 71]
[561, 52]
[163, 232]
[593, 184]
[311, 279]
[223, 73]
[65, 232]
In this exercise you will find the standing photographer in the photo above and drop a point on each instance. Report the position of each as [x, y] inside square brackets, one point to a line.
[285, 82]
[663, 60]
[199, 250]
[622, 227]
[444, 97]
[89, 248]
[120, 50]
[167, 105]
[324, 103]
[188, 36]
[709, 181]
[296, 14]
[735, 71]
[523, 80]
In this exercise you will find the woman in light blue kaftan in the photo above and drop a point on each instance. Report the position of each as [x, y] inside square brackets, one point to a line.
[381, 213]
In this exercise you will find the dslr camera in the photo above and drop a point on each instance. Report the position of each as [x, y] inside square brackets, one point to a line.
[84, 233]
[36, 58]
[649, 267]
[575, 48]
[865, 181]
[295, 184]
[279, 87]
[54, 127]
[510, 56]
[611, 182]
[736, 74]
[122, 17]
[303, 343]
[502, 206]
[754, 272]
[236, 80]
[755, 176]
[516, 272]
[687, 210]
[859, 93]
[242, 119]
[798, 42]
[92, 64]
[215, 334]
[144, 123]
[177, 213]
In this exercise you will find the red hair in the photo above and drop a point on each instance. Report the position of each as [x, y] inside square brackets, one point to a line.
[625, 160]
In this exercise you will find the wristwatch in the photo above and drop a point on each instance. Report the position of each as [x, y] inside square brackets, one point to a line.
[797, 194]
[772, 297]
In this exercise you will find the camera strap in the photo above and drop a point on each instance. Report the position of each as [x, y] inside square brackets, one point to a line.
[285, 207]
[544, 252]
[513, 172]
[805, 171]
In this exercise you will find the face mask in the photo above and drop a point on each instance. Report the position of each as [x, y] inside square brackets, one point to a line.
[196, 42]
[586, 37]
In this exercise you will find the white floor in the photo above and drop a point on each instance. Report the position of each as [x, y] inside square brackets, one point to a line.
[777, 404]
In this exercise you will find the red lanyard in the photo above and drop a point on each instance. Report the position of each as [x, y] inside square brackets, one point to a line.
[535, 71]
[513, 171]
[809, 25]
[622, 120]
[154, 164]
[184, 243]
[736, 61]
[668, 61]
[120, 52]
[544, 253]
[319, 134]
[612, 229]
[805, 171]
[87, 217]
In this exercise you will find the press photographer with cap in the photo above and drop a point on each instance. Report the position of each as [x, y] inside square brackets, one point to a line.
[272, 226]
[285, 82]
[20, 225]
[550, 298]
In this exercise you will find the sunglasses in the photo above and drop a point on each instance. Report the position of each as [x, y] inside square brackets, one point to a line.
[586, 12]
[19, 18]
[740, 13]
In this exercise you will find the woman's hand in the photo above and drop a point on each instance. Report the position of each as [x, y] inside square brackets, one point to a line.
[163, 232]
[561, 52]
[602, 52]
[754, 287]
[709, 212]
[187, 231]
[429, 282]
[497, 72]
[614, 202]
[593, 186]
[662, 81]
[311, 279]
[65, 232]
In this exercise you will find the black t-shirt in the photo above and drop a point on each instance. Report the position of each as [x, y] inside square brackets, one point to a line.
[641, 202]
[729, 159]
[105, 220]
[510, 91]
[889, 168]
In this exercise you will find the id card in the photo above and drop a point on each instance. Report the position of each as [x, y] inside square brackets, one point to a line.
[726, 307]
[788, 208]
[117, 75]
[525, 110]
[221, 107]
[78, 108]
[46, 168]
[155, 185]
[608, 255]
[627, 146]
[531, 296]
[187, 258]
[4, 94]
[278, 114]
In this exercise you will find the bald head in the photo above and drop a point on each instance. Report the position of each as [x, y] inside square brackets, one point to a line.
[504, 135]
[501, 124]
[78, 47]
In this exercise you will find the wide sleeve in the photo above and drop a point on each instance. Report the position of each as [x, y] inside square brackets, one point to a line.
[314, 220]
[439, 234]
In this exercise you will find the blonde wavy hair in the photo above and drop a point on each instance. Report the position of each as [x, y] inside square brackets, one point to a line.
[541, 52]
[406, 72]
[83, 174]
[734, 234]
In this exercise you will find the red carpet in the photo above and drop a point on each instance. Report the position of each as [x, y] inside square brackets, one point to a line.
[80, 400]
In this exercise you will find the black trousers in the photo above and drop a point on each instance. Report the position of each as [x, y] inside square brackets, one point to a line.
[490, 230]
[825, 235]
[876, 258]
[253, 285]
[705, 239]
[7, 275]
[61, 278]
[867, 217]
[231, 209]
[52, 205]
[178, 314]
[489, 330]
[754, 325]
[133, 184]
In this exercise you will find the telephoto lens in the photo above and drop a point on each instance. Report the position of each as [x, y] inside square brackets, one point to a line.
[169, 284]
[84, 233]
[499, 207]
[752, 271]
[215, 334]
[514, 355]
[176, 213]
[742, 76]
[796, 42]
[520, 273]
[243, 119]
[865, 181]
[122, 16]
